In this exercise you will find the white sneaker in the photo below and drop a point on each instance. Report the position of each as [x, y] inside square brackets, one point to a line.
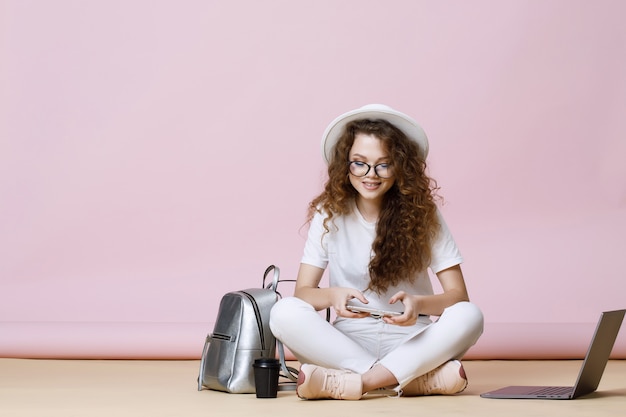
[448, 379]
[316, 383]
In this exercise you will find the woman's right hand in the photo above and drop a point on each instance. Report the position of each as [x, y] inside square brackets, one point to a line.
[307, 289]
[339, 297]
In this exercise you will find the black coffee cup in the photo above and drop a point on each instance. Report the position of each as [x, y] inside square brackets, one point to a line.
[266, 372]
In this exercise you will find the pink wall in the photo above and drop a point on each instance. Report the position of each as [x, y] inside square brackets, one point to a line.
[156, 154]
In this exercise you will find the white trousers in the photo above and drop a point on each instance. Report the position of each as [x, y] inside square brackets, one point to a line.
[358, 344]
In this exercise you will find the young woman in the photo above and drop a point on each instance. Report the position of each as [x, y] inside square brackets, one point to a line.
[377, 229]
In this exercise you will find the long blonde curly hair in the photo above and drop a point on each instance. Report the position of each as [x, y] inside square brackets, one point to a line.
[408, 221]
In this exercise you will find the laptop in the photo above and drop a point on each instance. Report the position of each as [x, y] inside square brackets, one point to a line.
[590, 373]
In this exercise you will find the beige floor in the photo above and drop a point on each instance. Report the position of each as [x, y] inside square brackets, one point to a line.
[114, 388]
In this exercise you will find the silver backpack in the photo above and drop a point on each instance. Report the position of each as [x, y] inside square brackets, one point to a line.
[241, 335]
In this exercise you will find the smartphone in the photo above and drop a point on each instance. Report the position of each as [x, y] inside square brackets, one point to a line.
[358, 307]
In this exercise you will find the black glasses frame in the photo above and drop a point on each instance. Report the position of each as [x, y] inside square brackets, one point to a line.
[369, 168]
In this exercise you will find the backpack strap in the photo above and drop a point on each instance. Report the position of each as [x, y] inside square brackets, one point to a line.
[286, 371]
[275, 280]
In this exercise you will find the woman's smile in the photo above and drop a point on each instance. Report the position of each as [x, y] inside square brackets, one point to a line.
[371, 185]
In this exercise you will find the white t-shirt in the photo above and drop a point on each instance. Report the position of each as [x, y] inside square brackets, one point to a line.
[347, 249]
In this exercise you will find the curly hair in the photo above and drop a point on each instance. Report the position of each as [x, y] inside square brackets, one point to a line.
[408, 222]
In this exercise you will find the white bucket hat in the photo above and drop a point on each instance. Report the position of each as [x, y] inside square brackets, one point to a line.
[374, 111]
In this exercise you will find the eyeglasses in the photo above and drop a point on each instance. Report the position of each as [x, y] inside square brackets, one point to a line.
[361, 169]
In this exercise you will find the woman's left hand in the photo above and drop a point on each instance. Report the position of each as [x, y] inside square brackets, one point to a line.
[412, 308]
[454, 291]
